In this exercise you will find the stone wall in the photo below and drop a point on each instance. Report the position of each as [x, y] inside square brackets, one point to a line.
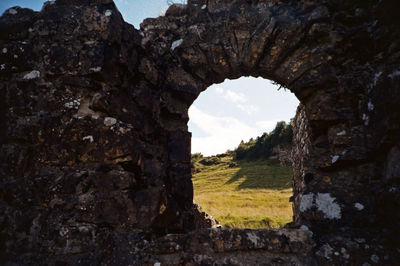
[300, 155]
[95, 151]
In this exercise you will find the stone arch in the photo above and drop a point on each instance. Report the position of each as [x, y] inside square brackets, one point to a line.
[94, 143]
[303, 47]
[276, 42]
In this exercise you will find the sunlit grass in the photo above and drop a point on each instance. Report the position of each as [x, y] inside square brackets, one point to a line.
[248, 195]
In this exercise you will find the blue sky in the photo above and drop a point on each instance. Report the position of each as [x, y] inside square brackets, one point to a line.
[225, 113]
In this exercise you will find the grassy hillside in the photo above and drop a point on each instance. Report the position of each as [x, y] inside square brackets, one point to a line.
[250, 194]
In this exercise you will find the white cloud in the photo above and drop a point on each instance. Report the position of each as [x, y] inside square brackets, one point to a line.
[219, 90]
[249, 109]
[267, 125]
[222, 133]
[235, 97]
[238, 99]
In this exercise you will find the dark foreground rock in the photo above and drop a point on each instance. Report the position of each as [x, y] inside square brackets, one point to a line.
[231, 247]
[95, 151]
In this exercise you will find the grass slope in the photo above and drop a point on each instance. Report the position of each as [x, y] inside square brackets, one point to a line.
[243, 194]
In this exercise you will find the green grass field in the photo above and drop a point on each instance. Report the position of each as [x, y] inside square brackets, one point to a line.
[245, 195]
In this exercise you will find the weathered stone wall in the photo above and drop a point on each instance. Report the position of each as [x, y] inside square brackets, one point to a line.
[300, 155]
[95, 151]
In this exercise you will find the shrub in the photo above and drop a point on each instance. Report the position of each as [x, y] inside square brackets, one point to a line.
[262, 146]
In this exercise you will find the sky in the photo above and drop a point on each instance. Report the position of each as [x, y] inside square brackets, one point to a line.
[133, 11]
[236, 110]
[225, 113]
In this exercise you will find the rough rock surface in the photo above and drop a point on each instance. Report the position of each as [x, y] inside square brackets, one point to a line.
[95, 151]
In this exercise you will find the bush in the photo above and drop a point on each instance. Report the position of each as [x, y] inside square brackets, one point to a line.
[210, 161]
[197, 156]
[262, 146]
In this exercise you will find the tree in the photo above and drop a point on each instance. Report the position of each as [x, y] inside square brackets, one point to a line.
[263, 146]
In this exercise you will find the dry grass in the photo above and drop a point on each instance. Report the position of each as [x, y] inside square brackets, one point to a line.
[249, 195]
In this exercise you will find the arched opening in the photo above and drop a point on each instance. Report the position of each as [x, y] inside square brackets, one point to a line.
[241, 152]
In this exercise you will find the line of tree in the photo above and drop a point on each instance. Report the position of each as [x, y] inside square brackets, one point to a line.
[262, 146]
